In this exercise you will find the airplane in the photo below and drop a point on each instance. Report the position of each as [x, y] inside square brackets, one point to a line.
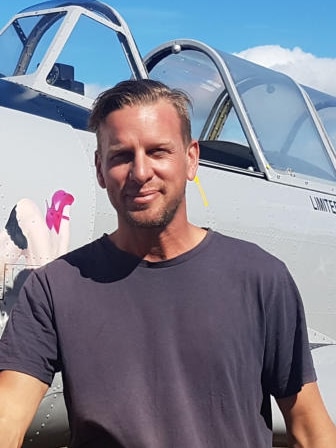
[267, 172]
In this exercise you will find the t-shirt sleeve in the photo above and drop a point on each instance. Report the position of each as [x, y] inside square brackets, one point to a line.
[288, 363]
[29, 342]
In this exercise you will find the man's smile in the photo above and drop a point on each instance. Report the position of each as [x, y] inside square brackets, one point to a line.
[142, 197]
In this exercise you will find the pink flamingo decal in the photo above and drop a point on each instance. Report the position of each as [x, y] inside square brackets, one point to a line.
[54, 213]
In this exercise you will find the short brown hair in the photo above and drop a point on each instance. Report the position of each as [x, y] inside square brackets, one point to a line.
[139, 92]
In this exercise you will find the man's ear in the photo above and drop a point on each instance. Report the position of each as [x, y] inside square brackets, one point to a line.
[98, 164]
[192, 159]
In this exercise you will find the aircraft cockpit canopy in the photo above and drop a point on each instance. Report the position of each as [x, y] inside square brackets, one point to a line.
[50, 46]
[246, 116]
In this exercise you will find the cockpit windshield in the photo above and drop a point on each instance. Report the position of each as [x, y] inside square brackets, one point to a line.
[52, 44]
[24, 42]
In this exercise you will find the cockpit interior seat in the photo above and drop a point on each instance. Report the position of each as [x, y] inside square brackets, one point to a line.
[228, 153]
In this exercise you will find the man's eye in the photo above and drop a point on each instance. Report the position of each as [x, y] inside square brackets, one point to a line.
[158, 152]
[120, 158]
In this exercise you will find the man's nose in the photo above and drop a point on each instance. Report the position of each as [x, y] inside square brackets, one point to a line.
[141, 169]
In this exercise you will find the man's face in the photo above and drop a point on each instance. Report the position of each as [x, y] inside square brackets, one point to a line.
[144, 164]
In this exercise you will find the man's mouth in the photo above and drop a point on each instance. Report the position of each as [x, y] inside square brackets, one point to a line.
[142, 197]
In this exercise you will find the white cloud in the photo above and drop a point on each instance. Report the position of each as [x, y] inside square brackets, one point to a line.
[304, 68]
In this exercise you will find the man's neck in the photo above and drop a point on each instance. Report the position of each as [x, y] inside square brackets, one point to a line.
[158, 244]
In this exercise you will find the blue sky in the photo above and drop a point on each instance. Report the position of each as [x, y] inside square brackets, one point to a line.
[292, 36]
[232, 25]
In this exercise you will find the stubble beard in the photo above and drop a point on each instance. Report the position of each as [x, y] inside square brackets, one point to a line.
[161, 219]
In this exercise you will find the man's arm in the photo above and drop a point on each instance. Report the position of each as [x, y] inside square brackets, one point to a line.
[307, 421]
[20, 395]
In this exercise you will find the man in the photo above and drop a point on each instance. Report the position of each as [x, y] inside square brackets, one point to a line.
[167, 335]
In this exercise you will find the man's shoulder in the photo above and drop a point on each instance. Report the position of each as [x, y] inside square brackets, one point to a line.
[79, 258]
[99, 260]
[248, 262]
[244, 252]
[240, 246]
[92, 248]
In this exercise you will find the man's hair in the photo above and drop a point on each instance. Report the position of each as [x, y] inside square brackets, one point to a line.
[137, 93]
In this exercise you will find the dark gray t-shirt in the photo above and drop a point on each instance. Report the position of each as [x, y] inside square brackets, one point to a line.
[176, 354]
